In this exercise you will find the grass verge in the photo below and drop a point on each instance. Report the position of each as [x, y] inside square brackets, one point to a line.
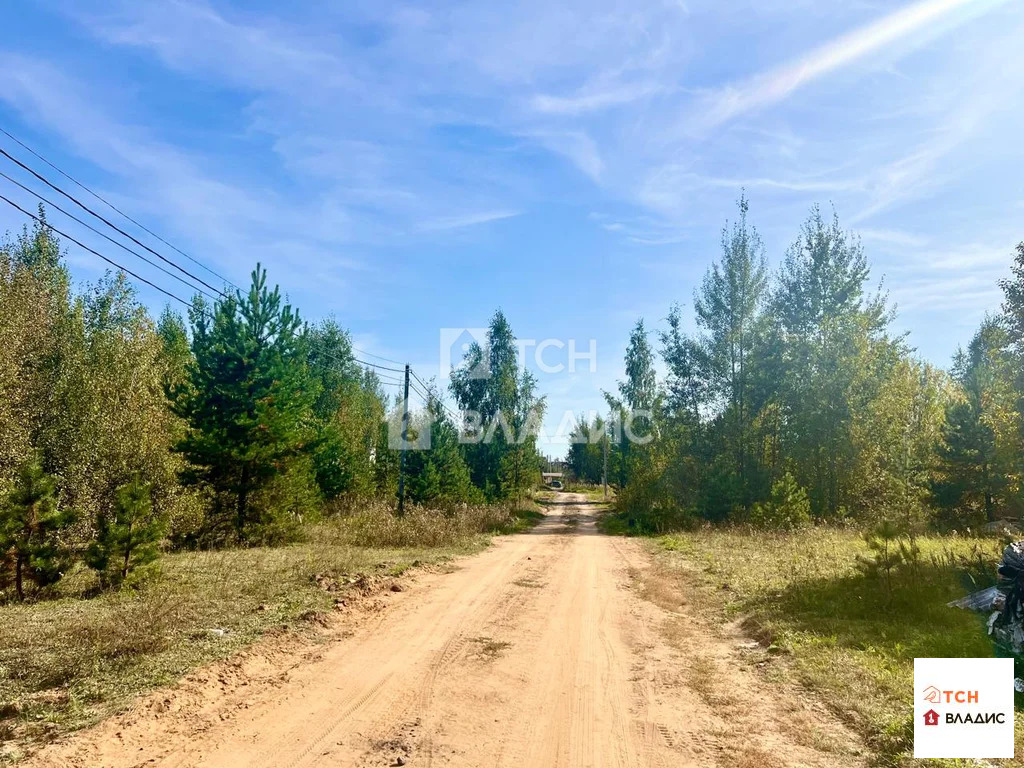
[836, 631]
[72, 660]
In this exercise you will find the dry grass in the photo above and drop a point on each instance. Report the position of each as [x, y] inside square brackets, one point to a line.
[71, 660]
[702, 678]
[376, 526]
[833, 629]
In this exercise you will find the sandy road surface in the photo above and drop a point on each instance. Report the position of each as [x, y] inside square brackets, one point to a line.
[542, 651]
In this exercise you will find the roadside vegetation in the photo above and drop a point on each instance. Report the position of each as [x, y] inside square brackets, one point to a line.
[794, 399]
[823, 483]
[824, 617]
[173, 487]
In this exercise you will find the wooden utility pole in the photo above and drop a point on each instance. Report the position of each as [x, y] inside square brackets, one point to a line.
[405, 444]
[604, 474]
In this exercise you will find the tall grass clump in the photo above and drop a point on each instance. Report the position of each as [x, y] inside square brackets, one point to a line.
[374, 524]
[845, 613]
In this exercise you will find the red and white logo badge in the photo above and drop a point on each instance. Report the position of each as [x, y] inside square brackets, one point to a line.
[963, 708]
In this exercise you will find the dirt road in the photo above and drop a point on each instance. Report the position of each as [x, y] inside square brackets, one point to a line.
[561, 647]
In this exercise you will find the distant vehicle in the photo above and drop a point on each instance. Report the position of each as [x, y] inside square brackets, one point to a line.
[556, 485]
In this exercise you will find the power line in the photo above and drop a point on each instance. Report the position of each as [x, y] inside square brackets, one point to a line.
[110, 224]
[113, 226]
[424, 394]
[379, 357]
[377, 365]
[97, 253]
[436, 398]
[86, 224]
[109, 204]
[422, 383]
[362, 362]
[383, 379]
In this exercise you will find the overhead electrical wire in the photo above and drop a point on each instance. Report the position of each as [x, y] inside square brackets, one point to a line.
[106, 221]
[422, 383]
[90, 211]
[110, 205]
[435, 397]
[429, 396]
[127, 271]
[89, 226]
[340, 361]
[378, 365]
[379, 357]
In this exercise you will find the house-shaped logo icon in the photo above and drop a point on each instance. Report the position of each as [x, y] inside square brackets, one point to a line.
[931, 717]
[932, 695]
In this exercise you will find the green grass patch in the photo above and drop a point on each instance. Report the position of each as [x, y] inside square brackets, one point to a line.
[592, 492]
[836, 630]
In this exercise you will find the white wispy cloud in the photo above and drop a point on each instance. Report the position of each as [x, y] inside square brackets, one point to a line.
[379, 125]
[576, 146]
[591, 100]
[466, 220]
[893, 237]
[775, 85]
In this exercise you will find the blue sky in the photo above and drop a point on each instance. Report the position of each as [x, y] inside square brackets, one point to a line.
[412, 167]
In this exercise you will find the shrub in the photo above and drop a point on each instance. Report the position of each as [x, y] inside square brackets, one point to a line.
[127, 540]
[787, 509]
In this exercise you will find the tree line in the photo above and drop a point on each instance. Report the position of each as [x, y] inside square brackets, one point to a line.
[789, 397]
[124, 435]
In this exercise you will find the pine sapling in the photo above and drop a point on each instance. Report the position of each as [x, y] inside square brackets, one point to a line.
[128, 537]
[787, 509]
[30, 526]
[891, 549]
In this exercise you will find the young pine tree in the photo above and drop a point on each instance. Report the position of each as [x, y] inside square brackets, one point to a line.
[787, 509]
[248, 404]
[638, 399]
[128, 539]
[438, 476]
[508, 408]
[30, 526]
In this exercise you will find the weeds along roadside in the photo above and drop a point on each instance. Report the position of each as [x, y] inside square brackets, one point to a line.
[825, 621]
